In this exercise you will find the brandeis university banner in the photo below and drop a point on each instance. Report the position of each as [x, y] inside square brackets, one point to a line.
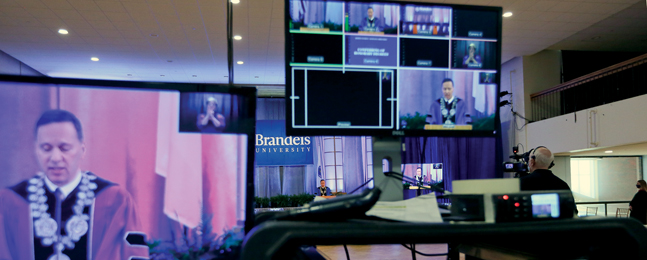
[274, 148]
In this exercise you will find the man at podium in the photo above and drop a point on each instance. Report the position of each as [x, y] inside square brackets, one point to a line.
[449, 109]
[323, 190]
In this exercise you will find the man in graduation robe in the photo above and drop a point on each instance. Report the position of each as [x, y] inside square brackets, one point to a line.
[449, 109]
[64, 213]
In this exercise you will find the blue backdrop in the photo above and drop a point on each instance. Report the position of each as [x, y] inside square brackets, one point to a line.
[273, 147]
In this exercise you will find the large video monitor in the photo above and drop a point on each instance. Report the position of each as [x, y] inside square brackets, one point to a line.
[118, 170]
[391, 68]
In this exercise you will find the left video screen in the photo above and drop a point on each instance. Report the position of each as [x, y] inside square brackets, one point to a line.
[96, 172]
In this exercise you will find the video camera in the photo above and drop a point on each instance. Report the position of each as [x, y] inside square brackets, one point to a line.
[520, 164]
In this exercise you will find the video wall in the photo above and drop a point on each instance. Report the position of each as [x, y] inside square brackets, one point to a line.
[410, 68]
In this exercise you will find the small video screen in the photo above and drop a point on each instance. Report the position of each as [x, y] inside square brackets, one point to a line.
[210, 113]
[445, 100]
[425, 21]
[474, 55]
[487, 77]
[316, 16]
[429, 53]
[371, 51]
[312, 49]
[475, 24]
[423, 173]
[371, 18]
[545, 205]
[348, 99]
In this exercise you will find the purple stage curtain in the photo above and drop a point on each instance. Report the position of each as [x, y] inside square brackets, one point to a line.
[462, 157]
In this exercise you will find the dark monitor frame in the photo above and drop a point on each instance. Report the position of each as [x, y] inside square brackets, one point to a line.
[393, 132]
[249, 125]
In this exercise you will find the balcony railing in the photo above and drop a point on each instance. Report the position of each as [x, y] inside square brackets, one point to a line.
[618, 82]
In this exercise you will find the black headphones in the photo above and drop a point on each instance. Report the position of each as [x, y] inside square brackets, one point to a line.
[532, 156]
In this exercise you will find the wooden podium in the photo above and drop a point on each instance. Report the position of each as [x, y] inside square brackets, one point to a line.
[448, 127]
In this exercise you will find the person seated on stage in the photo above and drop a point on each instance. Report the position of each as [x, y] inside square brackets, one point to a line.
[63, 212]
[370, 23]
[323, 190]
[210, 121]
[420, 180]
[448, 110]
[472, 60]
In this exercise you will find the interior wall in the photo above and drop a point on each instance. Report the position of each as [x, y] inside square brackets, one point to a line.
[541, 71]
[614, 124]
[11, 66]
[512, 81]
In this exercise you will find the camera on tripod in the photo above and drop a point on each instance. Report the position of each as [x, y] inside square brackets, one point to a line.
[520, 164]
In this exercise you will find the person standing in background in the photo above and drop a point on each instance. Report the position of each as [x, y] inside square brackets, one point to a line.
[638, 204]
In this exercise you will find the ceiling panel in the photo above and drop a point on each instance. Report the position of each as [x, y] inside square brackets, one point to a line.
[193, 34]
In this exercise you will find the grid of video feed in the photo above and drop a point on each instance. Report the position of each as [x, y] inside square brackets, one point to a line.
[441, 59]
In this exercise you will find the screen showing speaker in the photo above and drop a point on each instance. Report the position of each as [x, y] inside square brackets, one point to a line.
[387, 68]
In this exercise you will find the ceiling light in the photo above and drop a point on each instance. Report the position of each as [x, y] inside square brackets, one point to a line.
[507, 14]
[169, 61]
[240, 62]
[235, 1]
[238, 37]
[62, 31]
[94, 59]
[608, 151]
[130, 75]
[154, 35]
[255, 77]
[161, 75]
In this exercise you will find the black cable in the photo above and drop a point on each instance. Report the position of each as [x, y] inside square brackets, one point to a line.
[524, 148]
[347, 255]
[423, 254]
[413, 253]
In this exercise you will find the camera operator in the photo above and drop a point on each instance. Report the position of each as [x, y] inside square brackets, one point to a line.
[540, 177]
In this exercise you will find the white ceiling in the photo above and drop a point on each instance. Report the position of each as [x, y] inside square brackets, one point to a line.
[639, 149]
[185, 40]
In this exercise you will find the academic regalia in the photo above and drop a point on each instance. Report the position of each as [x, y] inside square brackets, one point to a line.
[453, 112]
[102, 226]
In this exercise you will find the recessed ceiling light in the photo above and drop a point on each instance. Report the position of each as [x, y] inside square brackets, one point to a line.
[169, 61]
[255, 77]
[226, 76]
[62, 31]
[235, 1]
[608, 151]
[161, 75]
[240, 62]
[94, 59]
[507, 14]
[195, 76]
[153, 35]
[238, 37]
[129, 75]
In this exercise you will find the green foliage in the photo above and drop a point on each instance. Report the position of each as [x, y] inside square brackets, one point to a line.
[199, 243]
[261, 202]
[483, 123]
[391, 31]
[283, 201]
[354, 28]
[332, 26]
[416, 121]
[280, 201]
[405, 186]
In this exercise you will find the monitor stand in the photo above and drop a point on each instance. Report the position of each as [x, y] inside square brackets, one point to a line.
[391, 148]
